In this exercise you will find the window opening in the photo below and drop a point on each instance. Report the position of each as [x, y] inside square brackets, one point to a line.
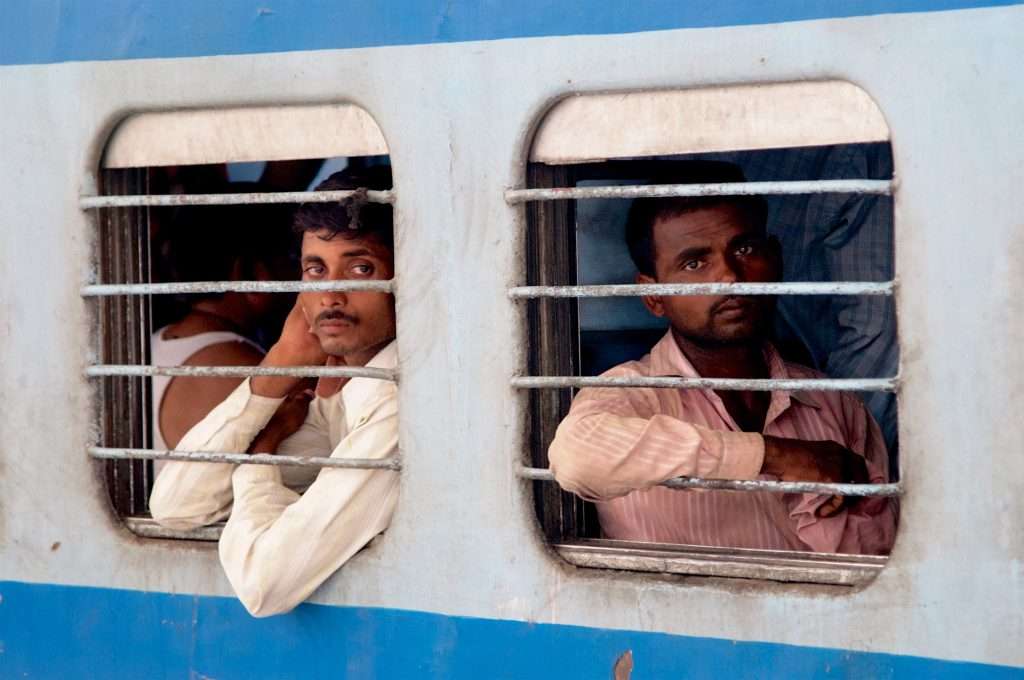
[582, 308]
[147, 271]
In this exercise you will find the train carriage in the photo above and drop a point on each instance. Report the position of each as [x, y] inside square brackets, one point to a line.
[503, 126]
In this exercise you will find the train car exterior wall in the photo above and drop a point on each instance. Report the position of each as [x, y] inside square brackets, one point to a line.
[462, 584]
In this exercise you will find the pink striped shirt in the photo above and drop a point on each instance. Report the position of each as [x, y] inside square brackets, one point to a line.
[617, 444]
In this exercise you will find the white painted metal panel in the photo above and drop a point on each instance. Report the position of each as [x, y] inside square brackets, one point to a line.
[243, 134]
[595, 127]
[464, 540]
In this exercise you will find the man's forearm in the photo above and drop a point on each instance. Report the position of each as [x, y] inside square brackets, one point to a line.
[192, 494]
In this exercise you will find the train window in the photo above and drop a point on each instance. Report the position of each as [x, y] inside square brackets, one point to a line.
[814, 160]
[194, 248]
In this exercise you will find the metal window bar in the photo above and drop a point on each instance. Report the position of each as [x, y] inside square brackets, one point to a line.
[681, 289]
[256, 198]
[887, 489]
[111, 289]
[234, 457]
[732, 384]
[883, 187]
[104, 370]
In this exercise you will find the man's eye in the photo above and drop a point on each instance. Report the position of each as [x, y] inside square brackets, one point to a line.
[313, 270]
[362, 269]
[748, 249]
[693, 265]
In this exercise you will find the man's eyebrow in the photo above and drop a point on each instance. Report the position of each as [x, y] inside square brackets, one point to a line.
[691, 253]
[359, 252]
[312, 259]
[747, 236]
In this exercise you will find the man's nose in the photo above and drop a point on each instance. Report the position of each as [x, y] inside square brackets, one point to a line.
[334, 298]
[731, 271]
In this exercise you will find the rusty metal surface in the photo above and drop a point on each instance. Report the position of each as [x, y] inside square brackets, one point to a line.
[834, 569]
[107, 289]
[830, 186]
[100, 370]
[642, 289]
[538, 382]
[860, 490]
[111, 453]
[149, 528]
[255, 198]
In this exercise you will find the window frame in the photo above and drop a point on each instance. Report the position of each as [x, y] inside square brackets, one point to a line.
[553, 345]
[120, 289]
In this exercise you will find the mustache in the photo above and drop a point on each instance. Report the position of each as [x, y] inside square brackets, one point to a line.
[336, 315]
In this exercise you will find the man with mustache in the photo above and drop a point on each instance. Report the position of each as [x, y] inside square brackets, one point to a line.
[617, 444]
[290, 528]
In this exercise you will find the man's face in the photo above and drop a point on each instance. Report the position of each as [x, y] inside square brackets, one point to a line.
[348, 324]
[714, 244]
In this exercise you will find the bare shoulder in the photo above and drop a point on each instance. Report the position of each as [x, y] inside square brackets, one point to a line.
[231, 353]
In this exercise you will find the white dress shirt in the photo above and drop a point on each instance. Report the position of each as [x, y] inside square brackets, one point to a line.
[288, 528]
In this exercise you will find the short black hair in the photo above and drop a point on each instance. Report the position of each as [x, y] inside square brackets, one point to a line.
[645, 212]
[353, 217]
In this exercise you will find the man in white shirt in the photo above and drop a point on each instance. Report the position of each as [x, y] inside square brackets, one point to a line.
[278, 546]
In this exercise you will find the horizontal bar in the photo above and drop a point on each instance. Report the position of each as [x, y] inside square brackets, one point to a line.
[101, 370]
[790, 566]
[392, 463]
[641, 289]
[537, 382]
[108, 289]
[256, 198]
[796, 188]
[149, 528]
[891, 489]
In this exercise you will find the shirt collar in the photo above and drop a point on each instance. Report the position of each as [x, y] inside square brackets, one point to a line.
[361, 390]
[668, 360]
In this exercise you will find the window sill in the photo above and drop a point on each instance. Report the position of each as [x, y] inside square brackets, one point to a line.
[147, 527]
[770, 565]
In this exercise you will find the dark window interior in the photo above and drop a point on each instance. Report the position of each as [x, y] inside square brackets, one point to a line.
[824, 238]
[149, 245]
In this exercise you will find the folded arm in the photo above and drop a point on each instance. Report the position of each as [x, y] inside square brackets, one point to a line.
[864, 526]
[613, 442]
[278, 546]
[188, 495]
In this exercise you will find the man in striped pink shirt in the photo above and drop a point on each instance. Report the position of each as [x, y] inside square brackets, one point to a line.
[617, 444]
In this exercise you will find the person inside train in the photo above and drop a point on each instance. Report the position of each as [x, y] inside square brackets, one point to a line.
[288, 529]
[211, 243]
[617, 444]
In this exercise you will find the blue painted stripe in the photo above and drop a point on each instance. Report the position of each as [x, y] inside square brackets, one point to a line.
[49, 631]
[49, 31]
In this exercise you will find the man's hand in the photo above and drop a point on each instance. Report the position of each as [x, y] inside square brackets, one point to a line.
[286, 421]
[297, 346]
[796, 460]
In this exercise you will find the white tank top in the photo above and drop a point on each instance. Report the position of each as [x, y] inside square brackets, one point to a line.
[176, 352]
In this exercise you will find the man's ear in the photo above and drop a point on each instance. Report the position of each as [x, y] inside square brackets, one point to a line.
[654, 303]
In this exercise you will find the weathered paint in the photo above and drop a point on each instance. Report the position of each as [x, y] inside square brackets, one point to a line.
[109, 453]
[42, 32]
[59, 632]
[894, 489]
[586, 128]
[458, 119]
[638, 289]
[827, 186]
[170, 200]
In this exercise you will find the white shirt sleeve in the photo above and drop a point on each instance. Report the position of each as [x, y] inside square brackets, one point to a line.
[188, 495]
[278, 546]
